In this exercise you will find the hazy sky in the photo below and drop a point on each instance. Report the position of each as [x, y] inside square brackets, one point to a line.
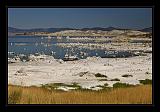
[25, 18]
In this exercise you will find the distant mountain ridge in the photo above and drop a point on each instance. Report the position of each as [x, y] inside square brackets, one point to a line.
[17, 30]
[103, 29]
[149, 29]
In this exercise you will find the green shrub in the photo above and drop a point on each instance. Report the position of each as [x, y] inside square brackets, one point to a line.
[122, 85]
[100, 75]
[103, 79]
[146, 81]
[126, 75]
[82, 73]
[75, 85]
[116, 79]
[147, 73]
[103, 86]
[106, 84]
[53, 86]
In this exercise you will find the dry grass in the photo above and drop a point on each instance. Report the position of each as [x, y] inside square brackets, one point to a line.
[36, 95]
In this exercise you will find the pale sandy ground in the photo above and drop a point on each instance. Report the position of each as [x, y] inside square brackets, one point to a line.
[52, 71]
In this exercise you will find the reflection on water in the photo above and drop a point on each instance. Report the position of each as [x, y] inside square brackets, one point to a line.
[34, 44]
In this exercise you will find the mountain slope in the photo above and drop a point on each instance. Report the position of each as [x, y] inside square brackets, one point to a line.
[16, 30]
[147, 29]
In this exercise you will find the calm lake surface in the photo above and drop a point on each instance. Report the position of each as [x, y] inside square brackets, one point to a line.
[36, 44]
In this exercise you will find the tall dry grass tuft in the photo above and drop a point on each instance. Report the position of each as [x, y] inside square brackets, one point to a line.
[36, 95]
[14, 95]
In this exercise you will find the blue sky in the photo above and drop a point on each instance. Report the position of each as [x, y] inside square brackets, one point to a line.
[26, 18]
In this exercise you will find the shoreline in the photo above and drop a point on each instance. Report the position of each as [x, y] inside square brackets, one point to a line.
[54, 71]
[90, 72]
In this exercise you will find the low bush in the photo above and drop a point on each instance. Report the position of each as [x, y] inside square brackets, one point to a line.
[103, 79]
[56, 85]
[116, 79]
[122, 85]
[147, 73]
[100, 75]
[103, 86]
[126, 75]
[106, 84]
[146, 81]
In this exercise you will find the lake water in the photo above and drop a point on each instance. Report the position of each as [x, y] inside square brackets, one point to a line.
[34, 44]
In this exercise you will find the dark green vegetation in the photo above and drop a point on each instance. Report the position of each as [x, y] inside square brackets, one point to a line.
[104, 87]
[53, 86]
[122, 85]
[147, 73]
[146, 81]
[127, 75]
[82, 73]
[100, 75]
[116, 79]
[103, 80]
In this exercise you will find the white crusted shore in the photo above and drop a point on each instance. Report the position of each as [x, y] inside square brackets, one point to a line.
[50, 70]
